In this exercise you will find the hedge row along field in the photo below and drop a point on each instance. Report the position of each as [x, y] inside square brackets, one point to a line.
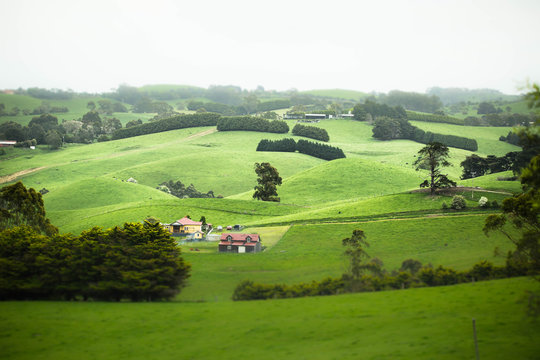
[283, 145]
[311, 132]
[318, 150]
[173, 123]
[411, 115]
[251, 123]
[459, 142]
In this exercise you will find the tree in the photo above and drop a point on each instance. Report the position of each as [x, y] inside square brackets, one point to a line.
[92, 120]
[47, 121]
[53, 139]
[22, 206]
[268, 181]
[433, 156]
[355, 251]
[91, 106]
[486, 108]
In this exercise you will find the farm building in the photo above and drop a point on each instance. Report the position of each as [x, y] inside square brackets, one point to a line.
[240, 243]
[315, 116]
[6, 143]
[185, 227]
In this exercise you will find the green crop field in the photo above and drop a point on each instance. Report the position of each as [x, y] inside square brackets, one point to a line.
[374, 189]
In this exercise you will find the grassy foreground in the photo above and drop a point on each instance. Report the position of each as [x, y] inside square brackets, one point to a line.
[427, 323]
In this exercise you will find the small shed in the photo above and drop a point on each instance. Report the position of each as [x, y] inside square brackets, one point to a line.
[240, 243]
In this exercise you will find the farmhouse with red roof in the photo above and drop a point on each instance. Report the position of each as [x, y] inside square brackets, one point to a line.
[240, 243]
[185, 227]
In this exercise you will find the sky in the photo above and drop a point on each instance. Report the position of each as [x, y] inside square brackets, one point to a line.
[368, 46]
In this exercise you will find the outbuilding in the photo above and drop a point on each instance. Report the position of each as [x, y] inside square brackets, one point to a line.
[240, 243]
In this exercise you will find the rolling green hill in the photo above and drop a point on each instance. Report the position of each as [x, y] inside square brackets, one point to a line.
[373, 189]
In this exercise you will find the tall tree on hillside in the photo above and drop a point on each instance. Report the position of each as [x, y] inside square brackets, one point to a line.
[268, 181]
[355, 251]
[433, 157]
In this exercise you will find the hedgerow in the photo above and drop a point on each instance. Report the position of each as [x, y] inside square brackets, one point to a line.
[251, 123]
[311, 132]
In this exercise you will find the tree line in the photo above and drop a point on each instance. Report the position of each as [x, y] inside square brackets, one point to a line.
[318, 150]
[311, 132]
[436, 118]
[172, 123]
[363, 275]
[178, 189]
[252, 123]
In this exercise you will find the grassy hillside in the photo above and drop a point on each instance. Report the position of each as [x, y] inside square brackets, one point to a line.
[408, 324]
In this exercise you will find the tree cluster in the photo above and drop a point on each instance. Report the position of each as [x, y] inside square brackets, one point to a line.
[251, 123]
[475, 165]
[511, 138]
[318, 150]
[312, 132]
[137, 262]
[283, 145]
[173, 123]
[176, 188]
[22, 206]
[375, 109]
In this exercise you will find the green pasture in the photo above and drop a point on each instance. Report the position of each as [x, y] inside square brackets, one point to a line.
[76, 106]
[314, 251]
[426, 323]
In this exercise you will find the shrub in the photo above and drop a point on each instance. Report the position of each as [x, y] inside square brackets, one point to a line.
[494, 204]
[444, 205]
[483, 202]
[458, 202]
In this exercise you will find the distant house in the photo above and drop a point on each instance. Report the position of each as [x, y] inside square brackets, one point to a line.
[184, 227]
[315, 116]
[240, 243]
[197, 235]
[6, 143]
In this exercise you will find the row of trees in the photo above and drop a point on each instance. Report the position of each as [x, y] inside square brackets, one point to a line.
[435, 118]
[172, 123]
[282, 145]
[251, 123]
[475, 165]
[251, 106]
[364, 275]
[311, 132]
[386, 128]
[318, 150]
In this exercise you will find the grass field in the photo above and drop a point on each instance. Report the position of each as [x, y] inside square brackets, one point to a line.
[423, 323]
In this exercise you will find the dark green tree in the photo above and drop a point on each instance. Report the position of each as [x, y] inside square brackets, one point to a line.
[92, 120]
[268, 180]
[53, 139]
[355, 251]
[22, 206]
[433, 157]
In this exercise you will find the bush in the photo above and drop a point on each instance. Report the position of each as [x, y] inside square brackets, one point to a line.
[458, 202]
[494, 204]
[483, 202]
[435, 118]
[444, 205]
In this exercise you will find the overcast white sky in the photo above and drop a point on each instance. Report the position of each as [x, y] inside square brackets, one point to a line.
[359, 45]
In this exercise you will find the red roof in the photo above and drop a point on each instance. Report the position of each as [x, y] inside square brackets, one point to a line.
[239, 237]
[187, 221]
